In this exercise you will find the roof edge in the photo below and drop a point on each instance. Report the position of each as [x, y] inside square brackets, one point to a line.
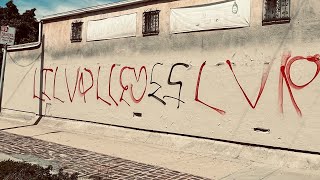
[92, 9]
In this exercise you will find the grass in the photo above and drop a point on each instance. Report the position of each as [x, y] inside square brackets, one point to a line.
[12, 170]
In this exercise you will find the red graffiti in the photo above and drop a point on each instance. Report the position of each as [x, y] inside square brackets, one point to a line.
[110, 76]
[314, 59]
[82, 83]
[75, 86]
[44, 85]
[283, 74]
[286, 75]
[264, 79]
[83, 87]
[284, 60]
[196, 98]
[81, 80]
[34, 86]
[97, 95]
[138, 78]
[54, 86]
[45, 82]
[125, 87]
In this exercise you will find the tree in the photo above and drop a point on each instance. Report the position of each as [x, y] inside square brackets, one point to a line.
[26, 24]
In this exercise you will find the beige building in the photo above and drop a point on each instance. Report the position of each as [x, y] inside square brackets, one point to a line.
[235, 70]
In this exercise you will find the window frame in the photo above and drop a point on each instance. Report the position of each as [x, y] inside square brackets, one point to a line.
[153, 22]
[276, 20]
[76, 31]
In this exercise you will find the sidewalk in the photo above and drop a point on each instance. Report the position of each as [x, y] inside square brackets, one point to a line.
[88, 164]
[115, 153]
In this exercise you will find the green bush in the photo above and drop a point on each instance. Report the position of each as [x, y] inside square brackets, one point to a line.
[11, 170]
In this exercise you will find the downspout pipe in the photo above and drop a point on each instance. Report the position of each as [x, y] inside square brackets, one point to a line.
[3, 67]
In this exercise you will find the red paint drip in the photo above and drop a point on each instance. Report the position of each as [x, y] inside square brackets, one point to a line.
[284, 61]
[82, 83]
[282, 69]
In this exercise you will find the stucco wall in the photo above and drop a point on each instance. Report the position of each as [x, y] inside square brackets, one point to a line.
[256, 53]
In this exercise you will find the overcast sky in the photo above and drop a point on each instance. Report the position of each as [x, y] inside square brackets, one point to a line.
[47, 7]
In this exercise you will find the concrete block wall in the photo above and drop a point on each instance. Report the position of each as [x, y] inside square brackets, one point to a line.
[182, 83]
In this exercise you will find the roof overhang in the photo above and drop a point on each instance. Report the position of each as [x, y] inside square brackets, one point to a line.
[92, 9]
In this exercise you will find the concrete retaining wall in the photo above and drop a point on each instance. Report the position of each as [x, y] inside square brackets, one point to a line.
[182, 83]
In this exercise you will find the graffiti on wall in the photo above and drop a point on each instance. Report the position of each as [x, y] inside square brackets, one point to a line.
[141, 75]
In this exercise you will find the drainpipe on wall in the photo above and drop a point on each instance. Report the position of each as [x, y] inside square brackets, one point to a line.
[41, 77]
[13, 48]
[2, 74]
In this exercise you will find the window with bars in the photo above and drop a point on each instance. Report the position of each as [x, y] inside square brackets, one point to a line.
[76, 31]
[276, 12]
[150, 23]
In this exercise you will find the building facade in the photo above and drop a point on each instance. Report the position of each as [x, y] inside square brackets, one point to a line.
[239, 70]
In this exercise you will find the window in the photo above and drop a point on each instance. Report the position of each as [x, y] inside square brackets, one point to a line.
[76, 31]
[276, 12]
[150, 23]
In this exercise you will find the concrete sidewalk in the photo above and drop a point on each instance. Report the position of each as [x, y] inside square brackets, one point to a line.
[87, 147]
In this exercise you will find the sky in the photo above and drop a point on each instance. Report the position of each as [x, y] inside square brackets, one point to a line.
[48, 7]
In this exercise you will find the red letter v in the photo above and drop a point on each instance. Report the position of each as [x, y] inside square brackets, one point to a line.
[263, 83]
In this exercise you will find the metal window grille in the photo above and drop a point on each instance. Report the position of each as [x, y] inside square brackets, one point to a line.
[150, 23]
[76, 31]
[276, 12]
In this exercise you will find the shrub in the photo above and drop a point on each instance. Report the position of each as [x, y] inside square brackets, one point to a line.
[11, 170]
